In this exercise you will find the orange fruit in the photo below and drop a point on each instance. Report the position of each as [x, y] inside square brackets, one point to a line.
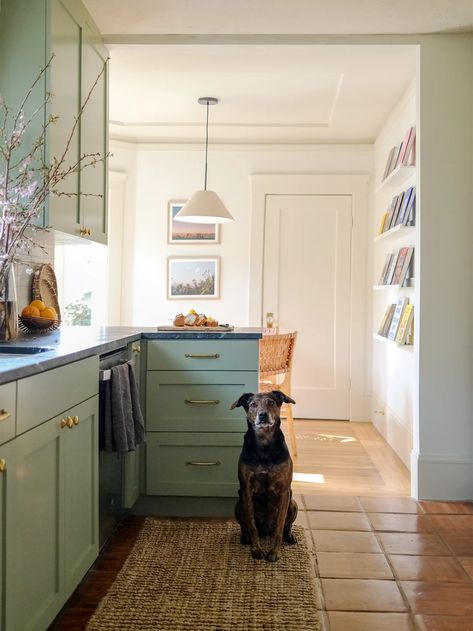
[49, 313]
[30, 312]
[39, 304]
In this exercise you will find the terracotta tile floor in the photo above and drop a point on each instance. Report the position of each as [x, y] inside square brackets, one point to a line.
[391, 563]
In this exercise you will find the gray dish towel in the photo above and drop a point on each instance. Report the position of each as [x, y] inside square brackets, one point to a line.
[124, 427]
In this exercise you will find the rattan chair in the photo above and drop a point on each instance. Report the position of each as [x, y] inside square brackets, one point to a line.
[276, 352]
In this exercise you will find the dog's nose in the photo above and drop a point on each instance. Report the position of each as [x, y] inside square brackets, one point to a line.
[262, 416]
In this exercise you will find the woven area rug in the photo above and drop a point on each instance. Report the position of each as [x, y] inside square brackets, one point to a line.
[196, 576]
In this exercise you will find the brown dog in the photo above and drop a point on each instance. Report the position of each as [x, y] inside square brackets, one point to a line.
[265, 505]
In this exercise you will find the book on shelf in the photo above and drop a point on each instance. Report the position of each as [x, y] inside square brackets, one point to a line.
[398, 311]
[390, 212]
[395, 160]
[410, 155]
[409, 218]
[405, 324]
[390, 271]
[388, 163]
[406, 200]
[397, 208]
[401, 257]
[382, 223]
[385, 269]
[386, 321]
[406, 265]
[406, 147]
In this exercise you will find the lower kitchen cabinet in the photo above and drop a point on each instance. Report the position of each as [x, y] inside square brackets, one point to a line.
[51, 529]
[7, 466]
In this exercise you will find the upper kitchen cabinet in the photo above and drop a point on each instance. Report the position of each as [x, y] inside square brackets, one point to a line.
[31, 31]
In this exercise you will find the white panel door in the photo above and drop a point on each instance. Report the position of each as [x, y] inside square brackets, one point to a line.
[306, 284]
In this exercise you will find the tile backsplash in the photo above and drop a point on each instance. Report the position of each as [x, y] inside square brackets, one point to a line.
[25, 265]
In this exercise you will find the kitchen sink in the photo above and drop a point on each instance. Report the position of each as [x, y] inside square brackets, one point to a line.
[24, 350]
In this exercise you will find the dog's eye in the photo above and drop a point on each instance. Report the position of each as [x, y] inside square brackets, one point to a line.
[253, 404]
[271, 403]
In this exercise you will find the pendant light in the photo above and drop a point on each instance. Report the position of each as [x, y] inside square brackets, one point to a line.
[205, 206]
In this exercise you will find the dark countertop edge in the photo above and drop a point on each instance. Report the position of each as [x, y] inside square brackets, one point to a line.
[44, 362]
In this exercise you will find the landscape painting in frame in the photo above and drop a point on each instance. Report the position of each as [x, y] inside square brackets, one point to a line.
[193, 277]
[188, 232]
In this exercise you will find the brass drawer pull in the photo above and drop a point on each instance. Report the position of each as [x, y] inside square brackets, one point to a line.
[76, 420]
[193, 356]
[3, 465]
[203, 402]
[4, 415]
[203, 463]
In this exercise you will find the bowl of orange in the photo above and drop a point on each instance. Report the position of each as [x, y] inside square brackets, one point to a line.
[37, 316]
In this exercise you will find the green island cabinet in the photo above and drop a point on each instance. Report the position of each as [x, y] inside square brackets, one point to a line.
[30, 32]
[193, 438]
[48, 493]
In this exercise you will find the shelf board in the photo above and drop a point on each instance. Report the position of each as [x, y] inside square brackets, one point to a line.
[401, 229]
[405, 347]
[379, 287]
[400, 175]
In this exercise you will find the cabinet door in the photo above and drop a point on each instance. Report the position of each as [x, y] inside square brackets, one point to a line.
[81, 492]
[34, 590]
[94, 139]
[7, 468]
[65, 104]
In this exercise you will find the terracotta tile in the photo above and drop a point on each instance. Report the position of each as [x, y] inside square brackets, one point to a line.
[362, 595]
[428, 568]
[390, 505]
[412, 543]
[362, 621]
[454, 508]
[444, 623]
[331, 520]
[353, 565]
[332, 502]
[457, 531]
[340, 541]
[467, 563]
[439, 598]
[400, 522]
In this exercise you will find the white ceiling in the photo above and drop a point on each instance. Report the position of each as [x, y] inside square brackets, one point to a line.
[281, 16]
[268, 93]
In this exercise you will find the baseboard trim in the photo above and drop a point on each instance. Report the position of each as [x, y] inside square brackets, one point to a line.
[394, 431]
[443, 476]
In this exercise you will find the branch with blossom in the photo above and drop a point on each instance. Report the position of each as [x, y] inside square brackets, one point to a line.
[26, 180]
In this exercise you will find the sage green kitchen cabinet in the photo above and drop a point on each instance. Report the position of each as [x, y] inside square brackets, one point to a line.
[52, 521]
[30, 32]
[193, 438]
[7, 466]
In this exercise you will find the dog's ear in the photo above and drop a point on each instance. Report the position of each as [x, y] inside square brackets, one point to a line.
[281, 397]
[242, 401]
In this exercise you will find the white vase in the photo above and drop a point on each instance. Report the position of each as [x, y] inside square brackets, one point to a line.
[8, 306]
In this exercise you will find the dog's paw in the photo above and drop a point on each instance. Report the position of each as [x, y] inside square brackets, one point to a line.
[257, 553]
[290, 539]
[273, 555]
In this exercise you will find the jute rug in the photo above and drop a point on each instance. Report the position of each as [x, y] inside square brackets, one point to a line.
[196, 576]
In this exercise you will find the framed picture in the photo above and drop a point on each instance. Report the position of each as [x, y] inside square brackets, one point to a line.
[193, 277]
[187, 232]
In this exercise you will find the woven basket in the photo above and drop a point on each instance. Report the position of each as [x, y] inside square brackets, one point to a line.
[275, 353]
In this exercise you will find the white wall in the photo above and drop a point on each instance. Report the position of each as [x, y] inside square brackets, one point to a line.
[164, 173]
[393, 368]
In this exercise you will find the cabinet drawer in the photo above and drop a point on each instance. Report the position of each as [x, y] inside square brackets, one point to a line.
[192, 464]
[203, 355]
[7, 411]
[197, 400]
[48, 394]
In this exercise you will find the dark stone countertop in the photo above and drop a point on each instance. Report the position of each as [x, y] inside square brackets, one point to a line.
[69, 344]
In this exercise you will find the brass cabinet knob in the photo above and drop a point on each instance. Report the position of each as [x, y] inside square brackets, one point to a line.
[4, 414]
[89, 232]
[70, 422]
[63, 423]
[76, 420]
[83, 232]
[3, 465]
[136, 348]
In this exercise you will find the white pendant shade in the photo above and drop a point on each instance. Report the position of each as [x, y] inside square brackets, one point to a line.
[204, 207]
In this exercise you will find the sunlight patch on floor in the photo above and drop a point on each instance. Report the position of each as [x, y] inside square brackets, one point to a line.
[333, 438]
[312, 478]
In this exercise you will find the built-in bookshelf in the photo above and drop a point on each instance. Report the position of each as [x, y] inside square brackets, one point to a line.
[397, 224]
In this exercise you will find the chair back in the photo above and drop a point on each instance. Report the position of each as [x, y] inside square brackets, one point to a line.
[276, 353]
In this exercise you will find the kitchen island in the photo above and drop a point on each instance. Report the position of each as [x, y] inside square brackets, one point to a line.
[49, 448]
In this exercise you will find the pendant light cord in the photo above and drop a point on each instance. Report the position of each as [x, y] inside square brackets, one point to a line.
[206, 146]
